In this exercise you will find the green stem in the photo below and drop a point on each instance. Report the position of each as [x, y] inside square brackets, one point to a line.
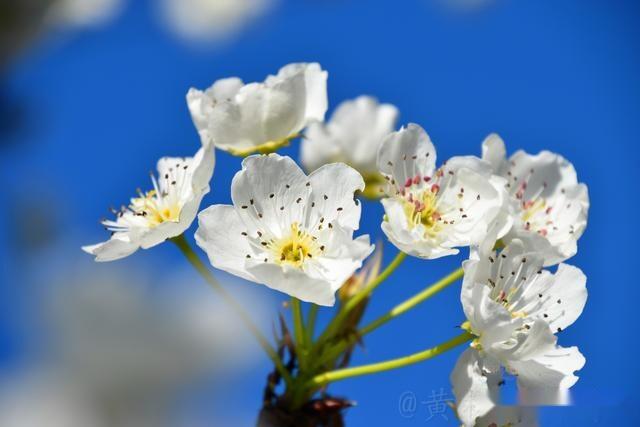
[298, 331]
[311, 323]
[197, 263]
[393, 313]
[341, 374]
[358, 297]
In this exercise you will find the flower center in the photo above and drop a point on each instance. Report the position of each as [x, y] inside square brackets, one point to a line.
[154, 209]
[295, 248]
[535, 215]
[535, 212]
[505, 299]
[421, 209]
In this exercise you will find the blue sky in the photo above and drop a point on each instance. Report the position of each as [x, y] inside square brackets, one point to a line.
[101, 105]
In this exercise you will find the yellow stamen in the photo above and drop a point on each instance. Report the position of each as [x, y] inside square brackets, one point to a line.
[538, 205]
[296, 248]
[154, 212]
[422, 210]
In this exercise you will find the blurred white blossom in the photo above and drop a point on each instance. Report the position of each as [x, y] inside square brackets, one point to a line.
[352, 136]
[212, 20]
[119, 353]
[84, 13]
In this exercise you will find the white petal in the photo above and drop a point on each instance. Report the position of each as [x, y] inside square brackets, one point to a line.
[225, 89]
[220, 235]
[199, 106]
[480, 201]
[361, 125]
[552, 370]
[472, 387]
[202, 103]
[547, 167]
[473, 163]
[260, 194]
[315, 86]
[406, 154]
[484, 314]
[557, 299]
[319, 147]
[195, 172]
[502, 222]
[341, 259]
[353, 135]
[203, 165]
[243, 118]
[526, 344]
[333, 195]
[494, 152]
[294, 282]
[282, 107]
[316, 92]
[115, 248]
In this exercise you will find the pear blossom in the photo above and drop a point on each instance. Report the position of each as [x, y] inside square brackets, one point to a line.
[548, 205]
[286, 230]
[514, 308]
[83, 13]
[429, 211]
[245, 118]
[352, 136]
[164, 212]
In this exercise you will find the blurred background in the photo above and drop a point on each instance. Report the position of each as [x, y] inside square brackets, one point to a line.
[92, 94]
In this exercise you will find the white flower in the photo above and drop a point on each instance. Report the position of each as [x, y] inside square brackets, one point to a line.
[429, 212]
[514, 308]
[212, 19]
[243, 119]
[84, 13]
[352, 136]
[287, 230]
[548, 204]
[164, 212]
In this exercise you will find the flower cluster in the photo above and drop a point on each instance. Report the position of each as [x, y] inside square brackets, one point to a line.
[294, 232]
